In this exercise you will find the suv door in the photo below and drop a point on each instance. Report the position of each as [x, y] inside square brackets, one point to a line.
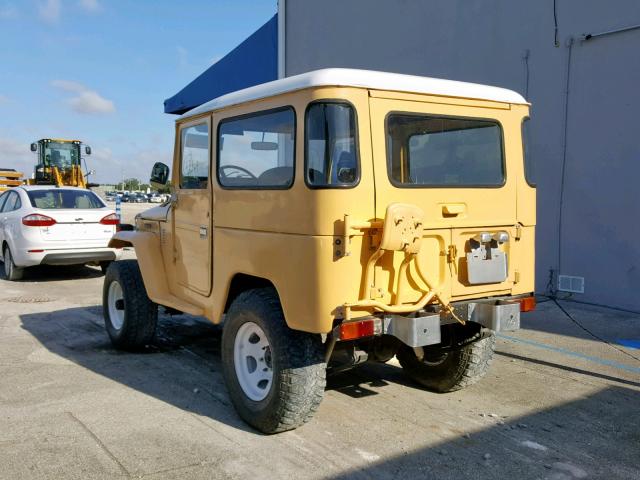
[448, 159]
[192, 207]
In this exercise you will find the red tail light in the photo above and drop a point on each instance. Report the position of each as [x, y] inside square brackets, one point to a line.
[37, 220]
[111, 219]
[527, 304]
[362, 328]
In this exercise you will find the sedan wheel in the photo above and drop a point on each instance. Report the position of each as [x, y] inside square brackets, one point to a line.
[11, 271]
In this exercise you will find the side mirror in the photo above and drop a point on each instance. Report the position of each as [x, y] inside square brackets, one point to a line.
[87, 149]
[34, 147]
[159, 174]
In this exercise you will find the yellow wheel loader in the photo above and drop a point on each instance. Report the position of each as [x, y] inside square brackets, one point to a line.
[59, 163]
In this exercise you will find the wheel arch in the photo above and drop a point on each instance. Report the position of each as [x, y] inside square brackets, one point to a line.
[241, 282]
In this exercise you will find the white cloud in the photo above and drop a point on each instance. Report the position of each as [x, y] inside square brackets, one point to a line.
[49, 11]
[17, 155]
[84, 100]
[91, 6]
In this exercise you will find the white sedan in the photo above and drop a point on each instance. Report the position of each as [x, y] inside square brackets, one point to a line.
[46, 225]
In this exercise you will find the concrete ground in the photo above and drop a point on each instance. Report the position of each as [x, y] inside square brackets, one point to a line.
[561, 401]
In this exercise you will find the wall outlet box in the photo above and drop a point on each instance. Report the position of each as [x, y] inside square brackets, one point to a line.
[567, 283]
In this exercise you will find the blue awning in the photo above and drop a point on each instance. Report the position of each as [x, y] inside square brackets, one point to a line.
[252, 62]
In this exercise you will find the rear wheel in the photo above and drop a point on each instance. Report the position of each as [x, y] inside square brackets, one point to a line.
[275, 376]
[129, 315]
[11, 271]
[447, 371]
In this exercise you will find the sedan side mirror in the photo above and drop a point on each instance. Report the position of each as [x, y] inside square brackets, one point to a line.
[34, 147]
[159, 174]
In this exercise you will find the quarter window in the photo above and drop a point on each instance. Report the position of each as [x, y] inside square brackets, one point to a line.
[257, 151]
[3, 199]
[194, 169]
[13, 203]
[429, 151]
[330, 145]
[529, 166]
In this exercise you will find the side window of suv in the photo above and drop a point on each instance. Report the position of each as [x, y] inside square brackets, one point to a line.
[257, 151]
[194, 160]
[331, 158]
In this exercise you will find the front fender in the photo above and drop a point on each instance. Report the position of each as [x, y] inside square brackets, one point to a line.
[151, 263]
[149, 255]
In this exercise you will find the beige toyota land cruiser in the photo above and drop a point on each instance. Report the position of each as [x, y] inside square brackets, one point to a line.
[333, 218]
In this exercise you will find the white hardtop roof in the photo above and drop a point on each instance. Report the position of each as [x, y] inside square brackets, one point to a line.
[346, 77]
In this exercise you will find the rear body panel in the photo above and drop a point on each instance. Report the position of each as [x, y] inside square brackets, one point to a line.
[453, 215]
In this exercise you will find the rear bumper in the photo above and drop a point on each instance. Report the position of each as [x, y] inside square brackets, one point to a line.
[423, 328]
[73, 258]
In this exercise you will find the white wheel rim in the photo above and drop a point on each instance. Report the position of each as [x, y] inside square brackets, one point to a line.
[252, 361]
[116, 305]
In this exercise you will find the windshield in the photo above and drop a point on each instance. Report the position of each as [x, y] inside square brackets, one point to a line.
[64, 199]
[61, 155]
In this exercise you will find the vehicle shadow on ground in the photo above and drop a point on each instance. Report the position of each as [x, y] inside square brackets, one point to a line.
[182, 367]
[593, 437]
[56, 273]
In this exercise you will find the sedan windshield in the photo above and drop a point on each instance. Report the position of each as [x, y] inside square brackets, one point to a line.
[64, 199]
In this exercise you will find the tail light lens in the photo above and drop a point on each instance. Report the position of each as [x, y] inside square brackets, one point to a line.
[359, 329]
[527, 304]
[111, 219]
[37, 220]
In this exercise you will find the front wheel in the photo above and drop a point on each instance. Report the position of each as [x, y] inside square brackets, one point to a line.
[130, 317]
[11, 271]
[275, 376]
[448, 371]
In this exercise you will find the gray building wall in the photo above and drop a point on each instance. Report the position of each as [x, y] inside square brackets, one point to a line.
[511, 43]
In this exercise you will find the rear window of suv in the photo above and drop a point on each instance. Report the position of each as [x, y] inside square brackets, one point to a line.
[64, 199]
[434, 151]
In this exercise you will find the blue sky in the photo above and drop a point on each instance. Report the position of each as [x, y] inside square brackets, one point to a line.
[99, 71]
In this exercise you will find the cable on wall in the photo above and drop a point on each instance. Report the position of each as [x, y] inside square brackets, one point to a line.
[556, 43]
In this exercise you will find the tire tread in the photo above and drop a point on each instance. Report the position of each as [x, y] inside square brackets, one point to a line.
[141, 314]
[301, 358]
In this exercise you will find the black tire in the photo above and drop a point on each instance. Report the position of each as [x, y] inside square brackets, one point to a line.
[449, 371]
[297, 363]
[104, 266]
[11, 271]
[138, 327]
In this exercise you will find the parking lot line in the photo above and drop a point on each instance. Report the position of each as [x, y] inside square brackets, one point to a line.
[570, 353]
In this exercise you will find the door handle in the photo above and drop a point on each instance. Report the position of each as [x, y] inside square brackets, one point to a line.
[453, 209]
